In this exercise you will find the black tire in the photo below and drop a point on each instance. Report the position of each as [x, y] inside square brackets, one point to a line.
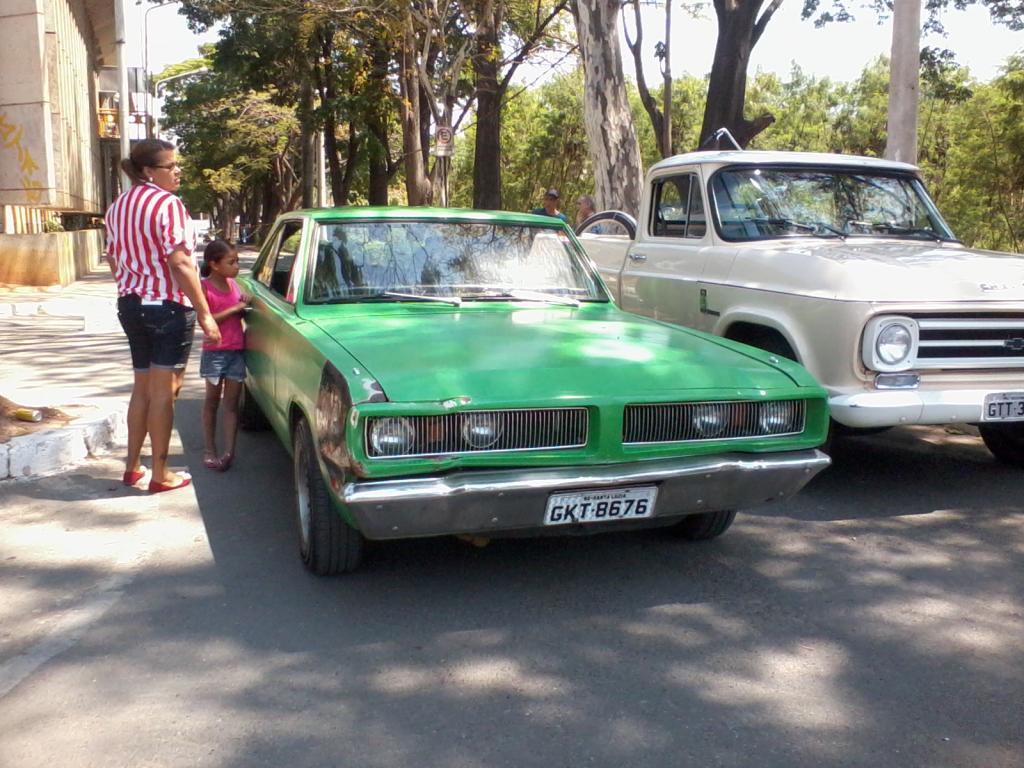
[328, 545]
[1005, 441]
[705, 525]
[250, 417]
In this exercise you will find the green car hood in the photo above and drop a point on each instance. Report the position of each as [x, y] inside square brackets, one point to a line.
[500, 355]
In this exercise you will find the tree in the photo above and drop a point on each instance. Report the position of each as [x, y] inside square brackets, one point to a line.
[740, 25]
[525, 26]
[660, 116]
[239, 148]
[606, 113]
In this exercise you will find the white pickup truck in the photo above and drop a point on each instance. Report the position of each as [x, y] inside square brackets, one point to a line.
[840, 262]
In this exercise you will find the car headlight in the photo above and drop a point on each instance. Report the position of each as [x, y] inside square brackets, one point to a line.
[391, 436]
[779, 418]
[708, 420]
[481, 430]
[890, 343]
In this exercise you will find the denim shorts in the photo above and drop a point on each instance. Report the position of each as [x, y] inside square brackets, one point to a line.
[217, 364]
[159, 334]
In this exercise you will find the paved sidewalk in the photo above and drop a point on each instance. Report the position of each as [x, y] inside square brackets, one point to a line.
[63, 348]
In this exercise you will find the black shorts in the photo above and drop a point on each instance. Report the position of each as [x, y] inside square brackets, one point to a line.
[159, 334]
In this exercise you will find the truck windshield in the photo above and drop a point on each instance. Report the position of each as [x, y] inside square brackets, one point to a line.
[770, 202]
[359, 261]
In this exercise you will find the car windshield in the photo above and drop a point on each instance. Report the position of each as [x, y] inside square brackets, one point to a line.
[761, 203]
[448, 260]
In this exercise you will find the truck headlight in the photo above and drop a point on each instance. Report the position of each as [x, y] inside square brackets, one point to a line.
[890, 343]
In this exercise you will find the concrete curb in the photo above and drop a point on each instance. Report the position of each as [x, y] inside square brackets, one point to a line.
[54, 450]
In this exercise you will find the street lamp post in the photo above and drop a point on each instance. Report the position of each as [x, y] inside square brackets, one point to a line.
[145, 58]
[158, 84]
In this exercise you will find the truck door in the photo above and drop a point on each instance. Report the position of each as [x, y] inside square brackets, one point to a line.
[662, 272]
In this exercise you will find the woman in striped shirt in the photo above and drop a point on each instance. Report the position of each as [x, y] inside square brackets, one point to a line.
[150, 240]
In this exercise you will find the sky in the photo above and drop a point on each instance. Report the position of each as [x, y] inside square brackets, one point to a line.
[839, 52]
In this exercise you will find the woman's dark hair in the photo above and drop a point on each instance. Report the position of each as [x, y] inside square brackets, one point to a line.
[214, 252]
[144, 153]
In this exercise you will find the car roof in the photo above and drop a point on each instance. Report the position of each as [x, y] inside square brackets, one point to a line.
[759, 157]
[405, 213]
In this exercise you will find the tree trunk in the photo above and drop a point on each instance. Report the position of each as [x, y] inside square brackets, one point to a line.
[904, 67]
[376, 123]
[417, 185]
[487, 152]
[606, 114]
[351, 154]
[657, 117]
[308, 167]
[738, 31]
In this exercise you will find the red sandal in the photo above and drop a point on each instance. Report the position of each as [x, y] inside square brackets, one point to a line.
[131, 478]
[155, 487]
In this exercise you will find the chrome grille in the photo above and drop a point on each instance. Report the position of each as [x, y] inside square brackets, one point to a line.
[995, 341]
[717, 420]
[533, 429]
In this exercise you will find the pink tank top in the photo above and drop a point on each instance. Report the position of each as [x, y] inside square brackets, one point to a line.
[231, 333]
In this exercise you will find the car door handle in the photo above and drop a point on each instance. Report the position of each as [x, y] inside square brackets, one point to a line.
[637, 256]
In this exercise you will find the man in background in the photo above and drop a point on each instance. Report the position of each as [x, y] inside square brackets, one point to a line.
[550, 207]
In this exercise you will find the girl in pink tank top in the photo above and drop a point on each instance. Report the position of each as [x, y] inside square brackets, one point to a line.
[222, 364]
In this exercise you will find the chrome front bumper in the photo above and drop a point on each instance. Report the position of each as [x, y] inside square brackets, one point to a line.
[515, 499]
[892, 408]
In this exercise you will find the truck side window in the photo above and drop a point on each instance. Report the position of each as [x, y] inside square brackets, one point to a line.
[678, 210]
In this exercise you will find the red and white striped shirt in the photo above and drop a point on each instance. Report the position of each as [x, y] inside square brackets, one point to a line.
[145, 225]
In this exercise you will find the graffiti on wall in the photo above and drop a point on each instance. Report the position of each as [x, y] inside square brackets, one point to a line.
[11, 140]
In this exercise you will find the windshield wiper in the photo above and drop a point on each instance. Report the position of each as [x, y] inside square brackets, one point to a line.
[813, 228]
[455, 301]
[898, 229]
[522, 295]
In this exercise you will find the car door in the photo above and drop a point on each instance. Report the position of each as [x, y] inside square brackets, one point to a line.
[662, 273]
[271, 322]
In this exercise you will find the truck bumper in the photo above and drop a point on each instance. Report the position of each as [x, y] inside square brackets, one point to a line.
[515, 500]
[893, 408]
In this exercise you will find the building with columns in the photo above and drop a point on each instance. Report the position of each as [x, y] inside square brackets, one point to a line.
[58, 137]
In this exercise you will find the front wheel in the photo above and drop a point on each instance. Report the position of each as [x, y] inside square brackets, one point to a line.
[1005, 441]
[328, 545]
[705, 525]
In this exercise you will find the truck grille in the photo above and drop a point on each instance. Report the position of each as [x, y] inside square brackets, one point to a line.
[532, 429]
[994, 341]
[716, 420]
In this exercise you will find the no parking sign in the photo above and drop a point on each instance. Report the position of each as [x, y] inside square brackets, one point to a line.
[444, 141]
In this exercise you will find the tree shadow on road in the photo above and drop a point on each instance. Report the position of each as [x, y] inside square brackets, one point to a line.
[874, 620]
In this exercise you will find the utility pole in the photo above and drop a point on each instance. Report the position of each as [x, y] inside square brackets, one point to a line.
[122, 84]
[904, 75]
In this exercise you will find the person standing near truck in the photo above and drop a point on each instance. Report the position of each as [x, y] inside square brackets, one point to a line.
[550, 207]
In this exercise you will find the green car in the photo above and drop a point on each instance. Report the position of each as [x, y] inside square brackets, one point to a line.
[436, 371]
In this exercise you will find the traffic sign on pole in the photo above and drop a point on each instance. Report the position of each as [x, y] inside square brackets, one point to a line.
[444, 141]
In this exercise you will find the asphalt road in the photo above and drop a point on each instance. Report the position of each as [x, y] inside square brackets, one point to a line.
[875, 620]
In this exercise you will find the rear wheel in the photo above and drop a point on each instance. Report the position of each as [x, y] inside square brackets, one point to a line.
[250, 417]
[703, 526]
[328, 545]
[1005, 441]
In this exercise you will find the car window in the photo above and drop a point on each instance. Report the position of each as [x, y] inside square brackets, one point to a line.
[276, 269]
[678, 209]
[358, 260]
